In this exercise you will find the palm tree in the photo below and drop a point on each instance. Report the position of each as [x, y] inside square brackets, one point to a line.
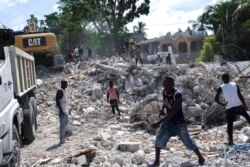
[201, 24]
[229, 20]
[140, 28]
[222, 18]
[189, 31]
[241, 13]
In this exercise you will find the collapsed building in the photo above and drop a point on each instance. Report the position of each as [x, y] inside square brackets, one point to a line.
[128, 141]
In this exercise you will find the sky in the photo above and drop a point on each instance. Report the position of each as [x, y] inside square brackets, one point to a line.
[165, 15]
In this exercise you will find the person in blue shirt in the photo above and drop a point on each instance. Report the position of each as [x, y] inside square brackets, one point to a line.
[172, 124]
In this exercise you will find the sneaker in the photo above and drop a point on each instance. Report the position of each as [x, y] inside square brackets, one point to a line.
[230, 143]
[61, 142]
[201, 161]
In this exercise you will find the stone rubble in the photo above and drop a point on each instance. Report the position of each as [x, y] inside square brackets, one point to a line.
[128, 141]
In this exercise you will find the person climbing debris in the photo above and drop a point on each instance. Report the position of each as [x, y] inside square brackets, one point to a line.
[234, 103]
[135, 51]
[113, 97]
[172, 124]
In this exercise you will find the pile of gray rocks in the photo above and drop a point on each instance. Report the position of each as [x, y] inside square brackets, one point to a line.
[128, 141]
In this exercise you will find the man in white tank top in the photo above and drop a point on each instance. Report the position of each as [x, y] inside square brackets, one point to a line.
[234, 104]
[61, 102]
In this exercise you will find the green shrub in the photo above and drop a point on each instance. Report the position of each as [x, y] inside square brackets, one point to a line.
[209, 48]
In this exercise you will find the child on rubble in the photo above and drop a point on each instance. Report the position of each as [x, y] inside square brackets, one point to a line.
[172, 124]
[113, 97]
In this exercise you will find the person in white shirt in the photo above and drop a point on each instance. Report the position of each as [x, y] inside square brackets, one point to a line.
[61, 102]
[76, 54]
[234, 103]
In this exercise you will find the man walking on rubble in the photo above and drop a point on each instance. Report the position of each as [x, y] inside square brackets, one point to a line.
[135, 51]
[172, 124]
[234, 103]
[80, 50]
[113, 97]
[76, 54]
[89, 53]
[61, 102]
[168, 59]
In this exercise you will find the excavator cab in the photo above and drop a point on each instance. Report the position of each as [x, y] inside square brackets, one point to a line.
[42, 45]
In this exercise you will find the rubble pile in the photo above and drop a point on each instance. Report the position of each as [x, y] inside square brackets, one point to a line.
[97, 138]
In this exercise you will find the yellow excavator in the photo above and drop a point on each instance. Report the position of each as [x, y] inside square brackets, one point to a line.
[42, 45]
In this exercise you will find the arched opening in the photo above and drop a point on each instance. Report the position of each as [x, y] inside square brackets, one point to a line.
[165, 47]
[182, 47]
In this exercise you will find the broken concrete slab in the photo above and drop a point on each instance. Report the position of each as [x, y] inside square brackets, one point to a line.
[129, 146]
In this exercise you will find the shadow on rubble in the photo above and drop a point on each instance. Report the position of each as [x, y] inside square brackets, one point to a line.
[89, 159]
[44, 72]
[215, 116]
[53, 147]
[143, 125]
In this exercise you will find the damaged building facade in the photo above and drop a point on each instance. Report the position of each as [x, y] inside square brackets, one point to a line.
[184, 44]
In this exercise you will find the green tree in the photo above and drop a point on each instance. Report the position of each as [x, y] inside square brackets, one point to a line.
[112, 14]
[229, 22]
[179, 30]
[222, 17]
[241, 29]
[202, 23]
[54, 23]
[188, 30]
[209, 49]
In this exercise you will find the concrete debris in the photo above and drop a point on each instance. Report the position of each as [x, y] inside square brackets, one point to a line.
[82, 160]
[39, 82]
[111, 70]
[99, 138]
[96, 92]
[77, 123]
[138, 158]
[118, 160]
[243, 138]
[129, 146]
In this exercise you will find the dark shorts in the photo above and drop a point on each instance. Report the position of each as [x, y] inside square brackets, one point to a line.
[113, 103]
[167, 130]
[234, 111]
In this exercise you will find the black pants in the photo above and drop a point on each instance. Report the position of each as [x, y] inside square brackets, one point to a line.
[231, 116]
[138, 57]
[114, 105]
[136, 60]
